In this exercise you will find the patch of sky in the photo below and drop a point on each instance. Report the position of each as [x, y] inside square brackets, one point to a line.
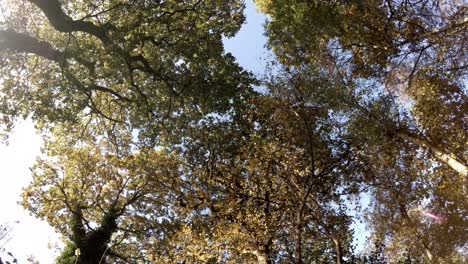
[359, 226]
[249, 45]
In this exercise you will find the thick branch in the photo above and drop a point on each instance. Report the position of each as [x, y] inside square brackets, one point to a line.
[63, 23]
[20, 42]
[338, 250]
[445, 157]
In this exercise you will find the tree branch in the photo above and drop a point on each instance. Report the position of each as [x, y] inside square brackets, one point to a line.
[63, 23]
[19, 42]
[446, 157]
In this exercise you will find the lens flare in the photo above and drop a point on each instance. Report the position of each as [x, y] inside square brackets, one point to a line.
[434, 216]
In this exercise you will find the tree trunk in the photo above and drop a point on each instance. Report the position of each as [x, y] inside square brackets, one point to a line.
[93, 245]
[298, 248]
[339, 251]
[445, 157]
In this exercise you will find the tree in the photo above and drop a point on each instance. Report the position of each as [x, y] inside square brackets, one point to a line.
[403, 65]
[412, 50]
[274, 172]
[411, 211]
[148, 64]
[113, 83]
[157, 149]
[233, 186]
[309, 117]
[111, 202]
[117, 81]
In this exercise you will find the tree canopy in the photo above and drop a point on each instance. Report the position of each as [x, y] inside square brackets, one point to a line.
[141, 63]
[160, 148]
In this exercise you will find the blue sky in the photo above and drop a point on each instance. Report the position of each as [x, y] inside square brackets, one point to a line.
[248, 46]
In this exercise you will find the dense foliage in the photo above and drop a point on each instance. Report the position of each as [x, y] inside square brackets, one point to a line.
[159, 149]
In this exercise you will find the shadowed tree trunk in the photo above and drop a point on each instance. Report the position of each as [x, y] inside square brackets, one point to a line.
[93, 244]
[298, 248]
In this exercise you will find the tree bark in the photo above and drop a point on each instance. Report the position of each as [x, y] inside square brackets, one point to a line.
[443, 156]
[338, 250]
[20, 42]
[63, 23]
[298, 248]
[93, 245]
